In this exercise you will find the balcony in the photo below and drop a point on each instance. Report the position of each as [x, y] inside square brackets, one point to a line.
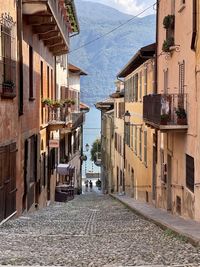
[54, 117]
[166, 112]
[49, 20]
[75, 119]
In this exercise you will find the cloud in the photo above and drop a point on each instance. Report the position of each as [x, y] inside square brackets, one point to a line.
[132, 7]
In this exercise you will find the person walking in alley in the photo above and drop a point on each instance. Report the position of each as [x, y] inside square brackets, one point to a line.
[86, 185]
[91, 185]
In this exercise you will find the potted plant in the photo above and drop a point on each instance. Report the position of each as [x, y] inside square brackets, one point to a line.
[164, 118]
[181, 116]
[47, 101]
[57, 104]
[73, 102]
[167, 44]
[168, 21]
[67, 101]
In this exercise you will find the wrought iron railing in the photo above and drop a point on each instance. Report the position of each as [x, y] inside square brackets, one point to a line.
[165, 109]
[53, 115]
[76, 118]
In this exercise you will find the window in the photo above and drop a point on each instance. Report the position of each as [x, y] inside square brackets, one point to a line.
[136, 87]
[41, 79]
[145, 80]
[116, 111]
[48, 82]
[181, 77]
[116, 141]
[52, 91]
[190, 172]
[7, 54]
[120, 144]
[145, 148]
[136, 140]
[131, 136]
[30, 72]
[165, 81]
[163, 166]
[140, 86]
[127, 134]
[140, 143]
[130, 86]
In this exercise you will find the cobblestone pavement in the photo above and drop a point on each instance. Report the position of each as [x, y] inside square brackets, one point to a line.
[92, 230]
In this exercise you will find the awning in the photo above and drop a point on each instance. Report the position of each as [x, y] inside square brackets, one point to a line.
[63, 169]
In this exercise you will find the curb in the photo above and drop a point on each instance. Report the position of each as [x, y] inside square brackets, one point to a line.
[164, 226]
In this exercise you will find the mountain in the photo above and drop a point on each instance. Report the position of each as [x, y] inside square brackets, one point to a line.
[103, 59]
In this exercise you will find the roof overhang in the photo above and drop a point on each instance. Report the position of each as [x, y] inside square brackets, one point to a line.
[74, 69]
[137, 60]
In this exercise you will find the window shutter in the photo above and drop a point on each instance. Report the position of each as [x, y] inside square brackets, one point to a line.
[181, 77]
[136, 87]
[62, 93]
[190, 172]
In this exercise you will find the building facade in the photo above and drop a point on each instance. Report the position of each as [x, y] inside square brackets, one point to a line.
[139, 79]
[172, 111]
[118, 171]
[72, 136]
[107, 144]
[33, 35]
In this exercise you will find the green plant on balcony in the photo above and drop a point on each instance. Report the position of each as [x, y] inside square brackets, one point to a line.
[73, 102]
[168, 21]
[164, 118]
[57, 104]
[167, 44]
[47, 101]
[67, 101]
[181, 116]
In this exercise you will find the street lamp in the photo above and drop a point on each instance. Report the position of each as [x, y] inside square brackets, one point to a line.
[87, 147]
[127, 117]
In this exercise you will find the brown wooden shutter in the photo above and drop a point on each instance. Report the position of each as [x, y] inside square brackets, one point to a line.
[63, 92]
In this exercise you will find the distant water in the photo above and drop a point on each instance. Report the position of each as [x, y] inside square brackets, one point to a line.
[91, 131]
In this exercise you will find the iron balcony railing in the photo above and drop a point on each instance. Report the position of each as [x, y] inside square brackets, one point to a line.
[76, 119]
[165, 109]
[54, 115]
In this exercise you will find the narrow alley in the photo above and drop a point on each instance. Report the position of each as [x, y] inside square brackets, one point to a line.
[91, 230]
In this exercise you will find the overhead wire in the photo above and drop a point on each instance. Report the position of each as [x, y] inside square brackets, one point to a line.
[114, 29]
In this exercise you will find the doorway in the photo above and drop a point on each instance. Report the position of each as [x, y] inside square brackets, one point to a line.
[154, 173]
[169, 181]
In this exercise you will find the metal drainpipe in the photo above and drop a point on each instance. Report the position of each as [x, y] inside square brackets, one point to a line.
[194, 33]
[20, 57]
[156, 60]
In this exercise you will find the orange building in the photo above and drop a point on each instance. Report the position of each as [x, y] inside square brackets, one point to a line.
[172, 111]
[33, 35]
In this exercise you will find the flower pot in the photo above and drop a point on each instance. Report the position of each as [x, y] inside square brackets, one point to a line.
[163, 122]
[182, 121]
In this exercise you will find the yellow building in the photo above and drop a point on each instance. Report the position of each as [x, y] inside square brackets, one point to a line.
[118, 168]
[140, 152]
[107, 143]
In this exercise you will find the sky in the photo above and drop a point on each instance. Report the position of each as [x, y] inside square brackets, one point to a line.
[132, 7]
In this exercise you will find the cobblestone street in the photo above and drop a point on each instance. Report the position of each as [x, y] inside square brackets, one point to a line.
[92, 230]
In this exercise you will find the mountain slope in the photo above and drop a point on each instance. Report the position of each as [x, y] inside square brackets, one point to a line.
[103, 59]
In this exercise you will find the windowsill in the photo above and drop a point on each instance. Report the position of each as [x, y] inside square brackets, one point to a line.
[8, 95]
[183, 6]
[31, 98]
